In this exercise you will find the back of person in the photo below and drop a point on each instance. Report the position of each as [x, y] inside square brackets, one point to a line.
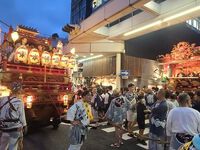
[170, 105]
[110, 98]
[196, 106]
[197, 101]
[150, 99]
[117, 110]
[158, 118]
[186, 120]
[99, 102]
[10, 113]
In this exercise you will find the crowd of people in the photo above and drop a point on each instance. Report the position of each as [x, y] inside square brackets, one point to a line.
[174, 117]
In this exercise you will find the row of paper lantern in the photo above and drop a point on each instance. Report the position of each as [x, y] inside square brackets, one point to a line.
[22, 55]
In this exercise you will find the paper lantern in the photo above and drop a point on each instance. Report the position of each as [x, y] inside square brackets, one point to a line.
[71, 63]
[34, 57]
[64, 61]
[55, 60]
[46, 58]
[21, 55]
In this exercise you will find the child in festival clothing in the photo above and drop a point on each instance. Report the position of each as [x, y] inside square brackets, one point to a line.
[116, 115]
[77, 115]
[141, 112]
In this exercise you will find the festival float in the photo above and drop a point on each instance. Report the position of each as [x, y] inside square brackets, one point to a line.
[181, 68]
[45, 76]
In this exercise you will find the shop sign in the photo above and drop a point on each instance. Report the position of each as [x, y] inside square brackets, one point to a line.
[124, 74]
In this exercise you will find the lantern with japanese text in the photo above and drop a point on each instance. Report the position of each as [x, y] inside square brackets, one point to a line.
[21, 55]
[34, 57]
[72, 62]
[46, 59]
[64, 61]
[55, 60]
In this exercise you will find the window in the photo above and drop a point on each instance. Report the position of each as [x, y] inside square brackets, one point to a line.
[135, 12]
[96, 3]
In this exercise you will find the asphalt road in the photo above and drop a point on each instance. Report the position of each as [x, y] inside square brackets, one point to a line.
[99, 139]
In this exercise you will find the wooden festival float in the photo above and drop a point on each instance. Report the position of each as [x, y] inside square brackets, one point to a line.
[44, 72]
[181, 68]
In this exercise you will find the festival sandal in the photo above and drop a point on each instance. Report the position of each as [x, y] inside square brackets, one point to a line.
[115, 145]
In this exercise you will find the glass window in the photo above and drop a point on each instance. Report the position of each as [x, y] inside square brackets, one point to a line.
[96, 3]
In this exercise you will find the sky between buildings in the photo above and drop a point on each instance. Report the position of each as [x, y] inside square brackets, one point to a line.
[48, 16]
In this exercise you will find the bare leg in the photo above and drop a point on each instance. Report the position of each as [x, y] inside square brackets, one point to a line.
[118, 135]
[130, 127]
[141, 133]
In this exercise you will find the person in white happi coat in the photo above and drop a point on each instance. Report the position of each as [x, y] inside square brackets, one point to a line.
[12, 119]
[77, 115]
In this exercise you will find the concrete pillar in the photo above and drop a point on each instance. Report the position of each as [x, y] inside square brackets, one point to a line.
[118, 70]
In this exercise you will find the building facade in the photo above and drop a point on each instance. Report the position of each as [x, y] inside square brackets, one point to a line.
[81, 9]
[111, 23]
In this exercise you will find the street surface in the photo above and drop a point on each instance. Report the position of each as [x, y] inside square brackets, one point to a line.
[99, 139]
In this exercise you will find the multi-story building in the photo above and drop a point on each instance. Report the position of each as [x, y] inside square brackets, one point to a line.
[111, 26]
[80, 10]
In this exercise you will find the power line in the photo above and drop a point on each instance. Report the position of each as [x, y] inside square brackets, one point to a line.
[4, 23]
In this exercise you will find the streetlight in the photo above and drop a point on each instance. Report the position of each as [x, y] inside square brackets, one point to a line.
[14, 36]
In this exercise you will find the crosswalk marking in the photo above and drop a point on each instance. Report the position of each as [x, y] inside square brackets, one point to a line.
[110, 129]
[66, 124]
[144, 146]
[126, 137]
[146, 131]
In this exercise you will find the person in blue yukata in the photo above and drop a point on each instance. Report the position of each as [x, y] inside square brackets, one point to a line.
[158, 120]
[77, 115]
[116, 115]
